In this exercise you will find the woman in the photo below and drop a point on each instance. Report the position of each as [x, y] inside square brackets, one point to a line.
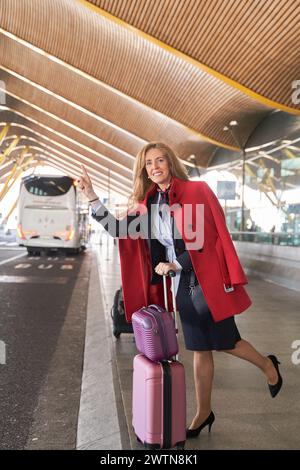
[209, 277]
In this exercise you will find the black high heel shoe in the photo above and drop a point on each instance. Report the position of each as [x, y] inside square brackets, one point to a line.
[208, 422]
[274, 389]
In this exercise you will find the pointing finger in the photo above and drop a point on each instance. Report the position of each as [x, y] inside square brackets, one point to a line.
[85, 175]
[84, 170]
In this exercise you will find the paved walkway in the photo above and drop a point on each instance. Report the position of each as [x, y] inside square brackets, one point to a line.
[246, 415]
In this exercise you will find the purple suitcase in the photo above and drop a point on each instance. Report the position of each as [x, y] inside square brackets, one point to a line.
[155, 331]
[159, 399]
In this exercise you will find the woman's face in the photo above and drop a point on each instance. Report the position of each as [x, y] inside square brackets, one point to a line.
[157, 167]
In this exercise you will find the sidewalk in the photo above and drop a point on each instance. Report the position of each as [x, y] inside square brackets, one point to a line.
[246, 416]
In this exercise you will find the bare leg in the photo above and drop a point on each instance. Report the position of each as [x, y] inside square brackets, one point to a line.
[245, 350]
[203, 378]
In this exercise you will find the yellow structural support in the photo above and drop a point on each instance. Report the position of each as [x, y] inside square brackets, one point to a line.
[289, 154]
[263, 189]
[4, 132]
[12, 177]
[249, 171]
[23, 155]
[4, 221]
[9, 149]
[22, 168]
[267, 179]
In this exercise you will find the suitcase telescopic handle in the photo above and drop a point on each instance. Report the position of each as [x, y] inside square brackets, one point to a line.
[172, 275]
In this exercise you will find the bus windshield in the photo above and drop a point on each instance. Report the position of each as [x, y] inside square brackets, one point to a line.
[48, 185]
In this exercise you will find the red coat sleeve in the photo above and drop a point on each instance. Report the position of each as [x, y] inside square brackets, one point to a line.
[226, 247]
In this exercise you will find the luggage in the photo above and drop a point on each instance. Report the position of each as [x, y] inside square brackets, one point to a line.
[159, 403]
[120, 325]
[159, 400]
[155, 333]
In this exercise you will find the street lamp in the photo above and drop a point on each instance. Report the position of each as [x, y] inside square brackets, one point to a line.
[108, 203]
[232, 128]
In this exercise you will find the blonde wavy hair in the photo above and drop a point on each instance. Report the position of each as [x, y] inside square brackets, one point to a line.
[141, 182]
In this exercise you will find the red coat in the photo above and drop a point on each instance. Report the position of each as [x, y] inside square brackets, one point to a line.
[215, 264]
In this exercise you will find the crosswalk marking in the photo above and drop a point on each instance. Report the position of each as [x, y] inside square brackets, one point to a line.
[34, 279]
[11, 259]
[2, 352]
[23, 266]
[43, 266]
[9, 244]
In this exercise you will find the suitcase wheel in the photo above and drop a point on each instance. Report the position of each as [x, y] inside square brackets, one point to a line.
[180, 445]
[116, 333]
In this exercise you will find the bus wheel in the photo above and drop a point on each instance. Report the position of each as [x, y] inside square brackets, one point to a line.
[72, 251]
[33, 252]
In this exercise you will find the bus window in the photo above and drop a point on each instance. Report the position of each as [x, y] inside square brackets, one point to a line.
[48, 186]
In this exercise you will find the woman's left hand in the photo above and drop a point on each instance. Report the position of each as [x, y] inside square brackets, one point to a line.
[164, 268]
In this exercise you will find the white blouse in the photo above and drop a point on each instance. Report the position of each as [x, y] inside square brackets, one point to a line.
[162, 230]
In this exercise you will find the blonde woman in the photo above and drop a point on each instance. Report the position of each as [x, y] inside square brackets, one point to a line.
[209, 277]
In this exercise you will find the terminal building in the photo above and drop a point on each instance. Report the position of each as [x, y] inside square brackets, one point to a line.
[91, 82]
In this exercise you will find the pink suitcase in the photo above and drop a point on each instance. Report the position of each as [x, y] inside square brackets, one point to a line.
[159, 400]
[159, 403]
[155, 333]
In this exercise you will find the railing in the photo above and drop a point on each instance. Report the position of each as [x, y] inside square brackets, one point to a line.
[270, 238]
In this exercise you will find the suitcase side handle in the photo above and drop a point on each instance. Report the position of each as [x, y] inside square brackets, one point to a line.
[162, 310]
[157, 307]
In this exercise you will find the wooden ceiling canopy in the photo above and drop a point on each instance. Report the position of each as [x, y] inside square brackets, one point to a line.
[252, 45]
[93, 81]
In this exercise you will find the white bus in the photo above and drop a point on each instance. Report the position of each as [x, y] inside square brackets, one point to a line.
[52, 215]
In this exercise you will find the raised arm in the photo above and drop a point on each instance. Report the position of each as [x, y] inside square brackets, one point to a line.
[116, 228]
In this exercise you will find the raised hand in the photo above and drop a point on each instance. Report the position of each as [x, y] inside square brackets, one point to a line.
[85, 184]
